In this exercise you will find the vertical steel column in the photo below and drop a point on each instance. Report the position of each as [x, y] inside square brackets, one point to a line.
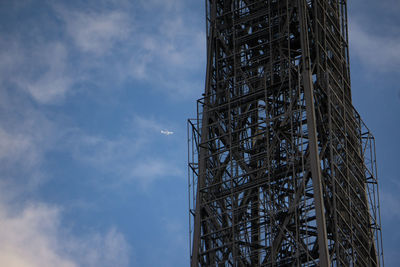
[312, 133]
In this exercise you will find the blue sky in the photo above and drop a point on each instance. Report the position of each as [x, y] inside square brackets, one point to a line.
[86, 177]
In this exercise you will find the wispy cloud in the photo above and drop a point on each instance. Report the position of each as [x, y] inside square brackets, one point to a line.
[53, 83]
[26, 135]
[104, 46]
[34, 237]
[134, 156]
[149, 170]
[27, 238]
[92, 48]
[100, 249]
[169, 53]
[39, 68]
[378, 51]
[15, 146]
[96, 32]
[166, 5]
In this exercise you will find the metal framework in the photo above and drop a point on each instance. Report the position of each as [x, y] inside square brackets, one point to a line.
[282, 169]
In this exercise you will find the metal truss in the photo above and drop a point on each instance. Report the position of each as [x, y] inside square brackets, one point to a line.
[282, 170]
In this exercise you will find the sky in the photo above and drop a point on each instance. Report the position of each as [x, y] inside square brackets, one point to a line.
[86, 177]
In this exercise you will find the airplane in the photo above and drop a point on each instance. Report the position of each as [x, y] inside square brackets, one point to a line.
[166, 132]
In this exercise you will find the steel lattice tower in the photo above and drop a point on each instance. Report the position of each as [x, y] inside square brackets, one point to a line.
[281, 167]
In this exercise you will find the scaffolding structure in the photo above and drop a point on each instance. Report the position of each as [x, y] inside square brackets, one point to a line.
[282, 170]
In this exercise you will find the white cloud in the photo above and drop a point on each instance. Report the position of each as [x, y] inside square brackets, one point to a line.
[18, 148]
[166, 5]
[11, 58]
[54, 82]
[377, 51]
[101, 250]
[169, 54]
[174, 45]
[96, 32]
[151, 169]
[38, 68]
[104, 44]
[26, 135]
[28, 238]
[123, 156]
[146, 124]
[49, 68]
[34, 237]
